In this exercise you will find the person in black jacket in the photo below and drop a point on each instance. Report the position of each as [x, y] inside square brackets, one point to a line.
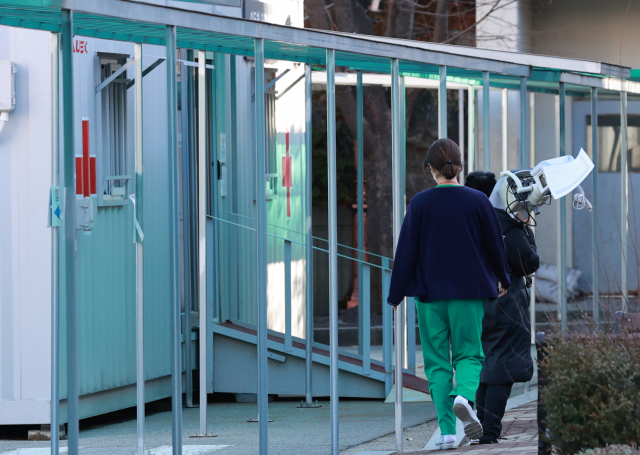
[506, 327]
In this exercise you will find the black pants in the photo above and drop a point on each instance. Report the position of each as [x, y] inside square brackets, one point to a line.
[491, 401]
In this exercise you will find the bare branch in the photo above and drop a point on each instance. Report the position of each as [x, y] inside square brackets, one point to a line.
[493, 9]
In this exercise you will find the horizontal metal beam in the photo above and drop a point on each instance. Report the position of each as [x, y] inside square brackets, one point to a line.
[384, 80]
[536, 61]
[358, 44]
[613, 84]
[195, 64]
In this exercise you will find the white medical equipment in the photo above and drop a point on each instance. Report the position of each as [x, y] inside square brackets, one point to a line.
[522, 192]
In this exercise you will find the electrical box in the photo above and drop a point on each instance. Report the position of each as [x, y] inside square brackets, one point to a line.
[7, 86]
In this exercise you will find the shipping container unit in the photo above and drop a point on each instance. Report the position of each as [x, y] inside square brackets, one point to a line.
[104, 129]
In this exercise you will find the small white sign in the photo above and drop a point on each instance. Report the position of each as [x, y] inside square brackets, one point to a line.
[223, 148]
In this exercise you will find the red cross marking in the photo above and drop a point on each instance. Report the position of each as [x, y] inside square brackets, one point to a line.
[286, 176]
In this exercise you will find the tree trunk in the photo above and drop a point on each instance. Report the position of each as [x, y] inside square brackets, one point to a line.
[442, 20]
[350, 17]
[400, 19]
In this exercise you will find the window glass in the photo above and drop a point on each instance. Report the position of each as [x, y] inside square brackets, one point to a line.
[114, 129]
[609, 142]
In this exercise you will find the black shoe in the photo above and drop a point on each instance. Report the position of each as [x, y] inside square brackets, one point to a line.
[488, 441]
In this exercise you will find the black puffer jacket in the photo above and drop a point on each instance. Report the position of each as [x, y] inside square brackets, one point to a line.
[506, 327]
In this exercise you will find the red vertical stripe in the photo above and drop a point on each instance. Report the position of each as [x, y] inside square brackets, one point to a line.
[79, 175]
[86, 171]
[94, 190]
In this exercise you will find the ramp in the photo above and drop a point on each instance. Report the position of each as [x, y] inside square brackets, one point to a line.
[235, 367]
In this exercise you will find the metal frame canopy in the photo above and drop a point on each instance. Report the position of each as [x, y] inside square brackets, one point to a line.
[142, 22]
[134, 21]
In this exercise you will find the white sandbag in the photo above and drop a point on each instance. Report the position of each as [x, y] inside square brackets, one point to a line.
[547, 283]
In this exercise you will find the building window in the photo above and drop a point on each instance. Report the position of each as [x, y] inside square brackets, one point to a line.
[271, 164]
[610, 140]
[270, 118]
[114, 129]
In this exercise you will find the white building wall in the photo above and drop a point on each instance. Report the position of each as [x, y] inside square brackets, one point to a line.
[25, 240]
[503, 25]
[588, 29]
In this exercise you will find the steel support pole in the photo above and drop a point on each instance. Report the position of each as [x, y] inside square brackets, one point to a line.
[562, 240]
[505, 129]
[139, 215]
[532, 129]
[387, 329]
[55, 251]
[403, 146]
[172, 142]
[261, 156]
[595, 270]
[202, 238]
[409, 341]
[486, 119]
[188, 215]
[524, 110]
[532, 163]
[309, 237]
[288, 339]
[461, 131]
[471, 134]
[398, 209]
[70, 240]
[333, 248]
[360, 202]
[442, 103]
[624, 200]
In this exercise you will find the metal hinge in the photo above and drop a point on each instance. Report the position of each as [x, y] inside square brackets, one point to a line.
[84, 214]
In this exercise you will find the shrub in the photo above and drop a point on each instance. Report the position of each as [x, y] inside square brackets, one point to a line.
[593, 396]
[612, 450]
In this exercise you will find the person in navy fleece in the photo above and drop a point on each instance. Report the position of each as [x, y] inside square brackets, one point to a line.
[450, 257]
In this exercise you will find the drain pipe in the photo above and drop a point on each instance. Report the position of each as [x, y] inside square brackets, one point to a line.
[4, 118]
[7, 91]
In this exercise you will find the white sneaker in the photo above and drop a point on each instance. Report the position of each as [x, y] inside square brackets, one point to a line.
[462, 410]
[474, 442]
[447, 442]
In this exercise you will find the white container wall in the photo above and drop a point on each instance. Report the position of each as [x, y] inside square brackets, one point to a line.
[25, 240]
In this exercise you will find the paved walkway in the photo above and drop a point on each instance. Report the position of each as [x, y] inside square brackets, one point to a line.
[293, 431]
[520, 433]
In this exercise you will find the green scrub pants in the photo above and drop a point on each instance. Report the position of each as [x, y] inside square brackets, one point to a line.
[458, 322]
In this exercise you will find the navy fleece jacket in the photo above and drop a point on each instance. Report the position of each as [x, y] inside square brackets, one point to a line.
[450, 247]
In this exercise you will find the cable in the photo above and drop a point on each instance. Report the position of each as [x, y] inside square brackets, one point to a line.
[521, 200]
[580, 201]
